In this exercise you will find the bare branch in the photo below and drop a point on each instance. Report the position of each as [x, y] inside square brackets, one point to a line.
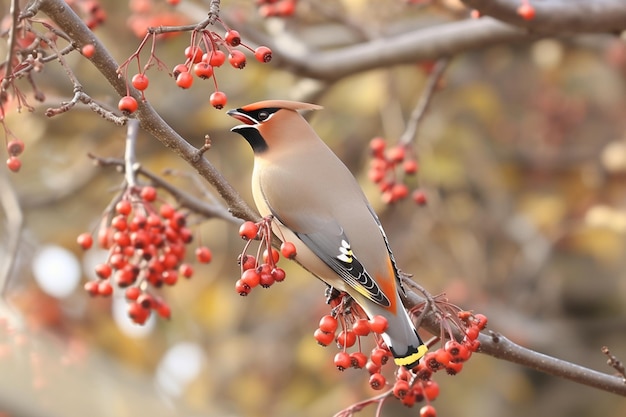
[559, 16]
[208, 210]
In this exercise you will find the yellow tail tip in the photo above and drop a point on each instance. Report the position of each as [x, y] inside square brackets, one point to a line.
[411, 360]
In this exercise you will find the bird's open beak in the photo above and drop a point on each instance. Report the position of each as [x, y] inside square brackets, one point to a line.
[242, 117]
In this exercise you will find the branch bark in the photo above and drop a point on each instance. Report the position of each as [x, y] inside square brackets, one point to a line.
[559, 16]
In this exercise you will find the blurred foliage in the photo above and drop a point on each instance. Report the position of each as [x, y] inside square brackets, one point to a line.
[523, 157]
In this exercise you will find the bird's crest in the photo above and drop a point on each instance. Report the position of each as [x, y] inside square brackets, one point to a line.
[283, 104]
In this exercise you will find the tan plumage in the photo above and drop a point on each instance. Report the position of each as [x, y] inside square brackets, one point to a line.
[320, 207]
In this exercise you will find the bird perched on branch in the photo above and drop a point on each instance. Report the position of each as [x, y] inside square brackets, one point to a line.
[318, 205]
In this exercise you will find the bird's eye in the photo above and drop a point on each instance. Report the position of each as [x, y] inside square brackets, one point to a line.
[263, 115]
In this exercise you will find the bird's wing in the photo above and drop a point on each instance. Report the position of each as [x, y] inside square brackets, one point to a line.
[334, 250]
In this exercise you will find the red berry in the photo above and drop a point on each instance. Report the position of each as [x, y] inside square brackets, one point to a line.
[215, 58]
[328, 324]
[278, 274]
[104, 288]
[346, 338]
[397, 153]
[288, 250]
[361, 327]
[358, 360]
[123, 207]
[428, 411]
[14, 164]
[251, 278]
[148, 193]
[266, 255]
[410, 166]
[194, 54]
[242, 288]
[378, 324]
[472, 332]
[247, 262]
[248, 230]
[127, 104]
[431, 390]
[379, 356]
[203, 254]
[91, 287]
[323, 338]
[342, 361]
[103, 270]
[218, 100]
[15, 147]
[263, 54]
[85, 240]
[481, 321]
[186, 270]
[232, 38]
[526, 11]
[138, 313]
[377, 381]
[371, 367]
[163, 309]
[140, 81]
[132, 293]
[179, 69]
[266, 279]
[443, 357]
[88, 50]
[166, 211]
[184, 80]
[399, 191]
[453, 368]
[377, 146]
[237, 59]
[203, 70]
[401, 388]
[419, 197]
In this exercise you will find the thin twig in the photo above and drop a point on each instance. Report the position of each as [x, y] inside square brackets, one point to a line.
[410, 133]
[196, 205]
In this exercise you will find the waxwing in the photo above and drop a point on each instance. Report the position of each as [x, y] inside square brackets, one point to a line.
[318, 205]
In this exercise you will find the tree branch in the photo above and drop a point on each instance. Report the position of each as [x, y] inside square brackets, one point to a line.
[429, 43]
[151, 122]
[559, 16]
[498, 346]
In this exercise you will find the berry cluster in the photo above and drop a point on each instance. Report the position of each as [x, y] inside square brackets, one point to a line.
[147, 247]
[388, 168]
[278, 8]
[354, 325]
[410, 387]
[253, 271]
[15, 147]
[206, 52]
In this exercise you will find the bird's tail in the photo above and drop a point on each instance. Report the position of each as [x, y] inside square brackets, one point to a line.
[405, 344]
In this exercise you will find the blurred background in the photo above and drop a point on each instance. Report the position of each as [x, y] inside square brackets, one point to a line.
[523, 159]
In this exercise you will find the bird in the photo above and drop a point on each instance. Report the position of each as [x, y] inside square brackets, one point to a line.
[318, 205]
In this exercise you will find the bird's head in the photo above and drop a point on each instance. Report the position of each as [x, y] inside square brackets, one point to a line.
[266, 123]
